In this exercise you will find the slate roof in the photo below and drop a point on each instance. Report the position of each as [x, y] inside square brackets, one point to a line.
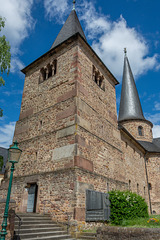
[70, 28]
[130, 106]
[151, 146]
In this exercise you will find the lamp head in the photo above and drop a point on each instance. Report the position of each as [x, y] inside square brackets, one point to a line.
[14, 153]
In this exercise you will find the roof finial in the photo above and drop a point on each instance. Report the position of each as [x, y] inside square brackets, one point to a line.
[74, 4]
[125, 52]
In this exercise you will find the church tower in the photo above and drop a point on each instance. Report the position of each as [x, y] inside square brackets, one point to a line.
[73, 151]
[67, 127]
[130, 112]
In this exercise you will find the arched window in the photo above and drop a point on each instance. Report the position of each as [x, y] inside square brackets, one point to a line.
[140, 131]
[98, 78]
[49, 70]
[43, 75]
[1, 162]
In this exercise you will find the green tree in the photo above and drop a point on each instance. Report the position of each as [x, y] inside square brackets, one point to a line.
[1, 163]
[5, 56]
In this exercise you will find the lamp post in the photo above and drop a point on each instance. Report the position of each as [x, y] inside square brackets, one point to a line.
[13, 156]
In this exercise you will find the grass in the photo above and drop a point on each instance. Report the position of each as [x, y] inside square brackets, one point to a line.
[152, 222]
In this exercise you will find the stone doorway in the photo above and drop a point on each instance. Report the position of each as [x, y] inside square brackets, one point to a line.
[32, 197]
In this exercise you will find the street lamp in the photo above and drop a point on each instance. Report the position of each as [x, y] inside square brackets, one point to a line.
[14, 154]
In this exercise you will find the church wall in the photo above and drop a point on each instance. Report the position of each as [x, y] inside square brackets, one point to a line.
[57, 187]
[87, 180]
[135, 168]
[69, 136]
[153, 168]
[132, 128]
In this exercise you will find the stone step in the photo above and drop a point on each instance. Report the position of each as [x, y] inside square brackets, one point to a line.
[33, 218]
[30, 225]
[35, 230]
[40, 227]
[56, 237]
[35, 221]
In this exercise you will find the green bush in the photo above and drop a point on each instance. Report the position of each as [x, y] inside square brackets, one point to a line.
[126, 205]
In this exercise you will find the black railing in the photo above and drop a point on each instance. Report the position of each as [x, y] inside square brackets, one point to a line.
[56, 207]
[16, 235]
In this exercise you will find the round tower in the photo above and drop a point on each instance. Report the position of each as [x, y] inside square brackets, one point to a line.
[130, 112]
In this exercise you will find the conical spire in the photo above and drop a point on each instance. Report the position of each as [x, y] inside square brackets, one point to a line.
[130, 106]
[70, 28]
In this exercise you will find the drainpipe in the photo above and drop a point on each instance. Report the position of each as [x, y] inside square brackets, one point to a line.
[147, 184]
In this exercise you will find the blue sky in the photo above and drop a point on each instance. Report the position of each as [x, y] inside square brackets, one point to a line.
[109, 25]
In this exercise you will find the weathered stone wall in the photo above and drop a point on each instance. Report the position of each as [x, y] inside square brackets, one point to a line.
[91, 180]
[134, 161]
[119, 233]
[153, 167]
[69, 135]
[132, 128]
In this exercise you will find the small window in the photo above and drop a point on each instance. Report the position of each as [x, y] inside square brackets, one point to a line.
[140, 131]
[107, 187]
[98, 78]
[42, 75]
[48, 71]
[149, 186]
[129, 185]
[137, 188]
[49, 68]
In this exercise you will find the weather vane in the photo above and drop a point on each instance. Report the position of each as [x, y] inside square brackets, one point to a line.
[74, 4]
[125, 51]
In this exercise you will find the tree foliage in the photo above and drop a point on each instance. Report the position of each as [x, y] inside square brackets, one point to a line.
[5, 56]
[126, 205]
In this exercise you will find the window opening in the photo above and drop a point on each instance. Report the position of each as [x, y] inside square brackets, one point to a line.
[98, 78]
[129, 185]
[107, 187]
[137, 188]
[140, 131]
[48, 71]
[149, 186]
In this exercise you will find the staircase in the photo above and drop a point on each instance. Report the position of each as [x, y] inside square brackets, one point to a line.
[40, 227]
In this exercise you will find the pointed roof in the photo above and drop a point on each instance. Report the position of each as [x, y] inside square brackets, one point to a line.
[130, 106]
[70, 28]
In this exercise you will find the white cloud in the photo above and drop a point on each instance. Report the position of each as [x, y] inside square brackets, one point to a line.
[110, 38]
[18, 23]
[154, 118]
[6, 134]
[16, 64]
[14, 92]
[157, 106]
[56, 8]
[156, 131]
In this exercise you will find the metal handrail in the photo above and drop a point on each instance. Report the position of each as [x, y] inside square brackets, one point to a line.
[19, 224]
[55, 206]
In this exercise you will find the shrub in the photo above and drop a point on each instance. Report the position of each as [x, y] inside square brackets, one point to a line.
[126, 205]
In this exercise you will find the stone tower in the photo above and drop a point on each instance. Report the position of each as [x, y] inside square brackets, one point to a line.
[132, 119]
[69, 133]
[130, 112]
